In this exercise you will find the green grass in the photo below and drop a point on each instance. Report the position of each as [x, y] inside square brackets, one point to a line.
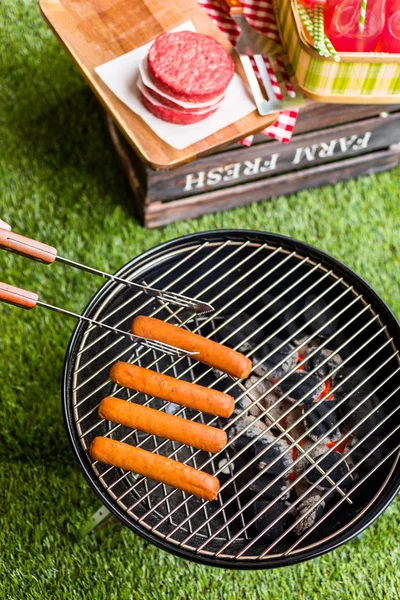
[60, 182]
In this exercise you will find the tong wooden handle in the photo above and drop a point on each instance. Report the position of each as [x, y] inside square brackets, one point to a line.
[17, 297]
[26, 247]
[235, 7]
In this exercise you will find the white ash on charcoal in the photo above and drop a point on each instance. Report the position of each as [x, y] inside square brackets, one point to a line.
[318, 430]
[358, 399]
[269, 488]
[268, 400]
[267, 448]
[276, 357]
[225, 470]
[301, 386]
[307, 445]
[247, 429]
[323, 370]
[317, 507]
[172, 408]
[280, 414]
[314, 355]
[303, 493]
[303, 346]
[340, 468]
[272, 512]
[276, 406]
[218, 374]
[247, 403]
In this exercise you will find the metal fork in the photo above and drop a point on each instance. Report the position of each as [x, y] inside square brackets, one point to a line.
[24, 299]
[47, 254]
[254, 44]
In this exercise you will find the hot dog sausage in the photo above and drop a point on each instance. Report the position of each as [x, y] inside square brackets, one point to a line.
[171, 389]
[211, 353]
[154, 466]
[159, 423]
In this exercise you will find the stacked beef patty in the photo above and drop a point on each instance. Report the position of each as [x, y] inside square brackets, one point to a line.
[184, 77]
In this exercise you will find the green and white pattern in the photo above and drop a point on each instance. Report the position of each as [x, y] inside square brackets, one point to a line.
[363, 10]
[319, 35]
[331, 49]
[306, 19]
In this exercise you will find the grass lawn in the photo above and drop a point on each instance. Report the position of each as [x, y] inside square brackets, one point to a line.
[60, 182]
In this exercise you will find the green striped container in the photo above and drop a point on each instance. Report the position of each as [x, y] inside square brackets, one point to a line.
[359, 77]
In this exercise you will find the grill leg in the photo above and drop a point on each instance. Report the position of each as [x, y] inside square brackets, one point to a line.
[100, 517]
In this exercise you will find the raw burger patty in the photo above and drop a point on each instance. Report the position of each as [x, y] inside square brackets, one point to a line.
[156, 98]
[174, 116]
[190, 66]
[163, 100]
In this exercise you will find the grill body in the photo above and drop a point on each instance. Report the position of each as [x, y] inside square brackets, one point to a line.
[231, 269]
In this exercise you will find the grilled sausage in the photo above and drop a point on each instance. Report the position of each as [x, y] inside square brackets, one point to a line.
[136, 416]
[154, 466]
[171, 389]
[211, 353]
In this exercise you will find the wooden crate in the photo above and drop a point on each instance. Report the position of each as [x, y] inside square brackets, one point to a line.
[331, 143]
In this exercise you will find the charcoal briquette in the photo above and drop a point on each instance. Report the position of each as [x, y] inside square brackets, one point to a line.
[329, 460]
[246, 404]
[363, 407]
[274, 511]
[323, 370]
[314, 322]
[303, 384]
[314, 411]
[249, 429]
[354, 456]
[278, 487]
[238, 333]
[274, 458]
[348, 377]
[317, 505]
[277, 351]
[266, 446]
[361, 399]
[269, 401]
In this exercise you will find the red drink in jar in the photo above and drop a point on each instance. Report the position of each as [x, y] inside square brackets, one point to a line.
[343, 28]
[391, 32]
[328, 13]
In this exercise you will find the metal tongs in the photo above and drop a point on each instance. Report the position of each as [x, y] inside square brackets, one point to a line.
[24, 299]
[47, 254]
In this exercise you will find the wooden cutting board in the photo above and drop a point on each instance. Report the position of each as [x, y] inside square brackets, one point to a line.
[96, 31]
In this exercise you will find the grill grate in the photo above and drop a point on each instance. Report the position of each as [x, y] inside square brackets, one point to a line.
[265, 291]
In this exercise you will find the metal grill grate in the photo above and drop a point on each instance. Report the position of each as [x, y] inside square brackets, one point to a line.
[266, 290]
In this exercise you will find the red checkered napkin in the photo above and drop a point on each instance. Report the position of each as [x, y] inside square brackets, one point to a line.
[260, 15]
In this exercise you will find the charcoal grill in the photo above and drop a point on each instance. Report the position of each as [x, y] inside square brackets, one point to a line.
[279, 295]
